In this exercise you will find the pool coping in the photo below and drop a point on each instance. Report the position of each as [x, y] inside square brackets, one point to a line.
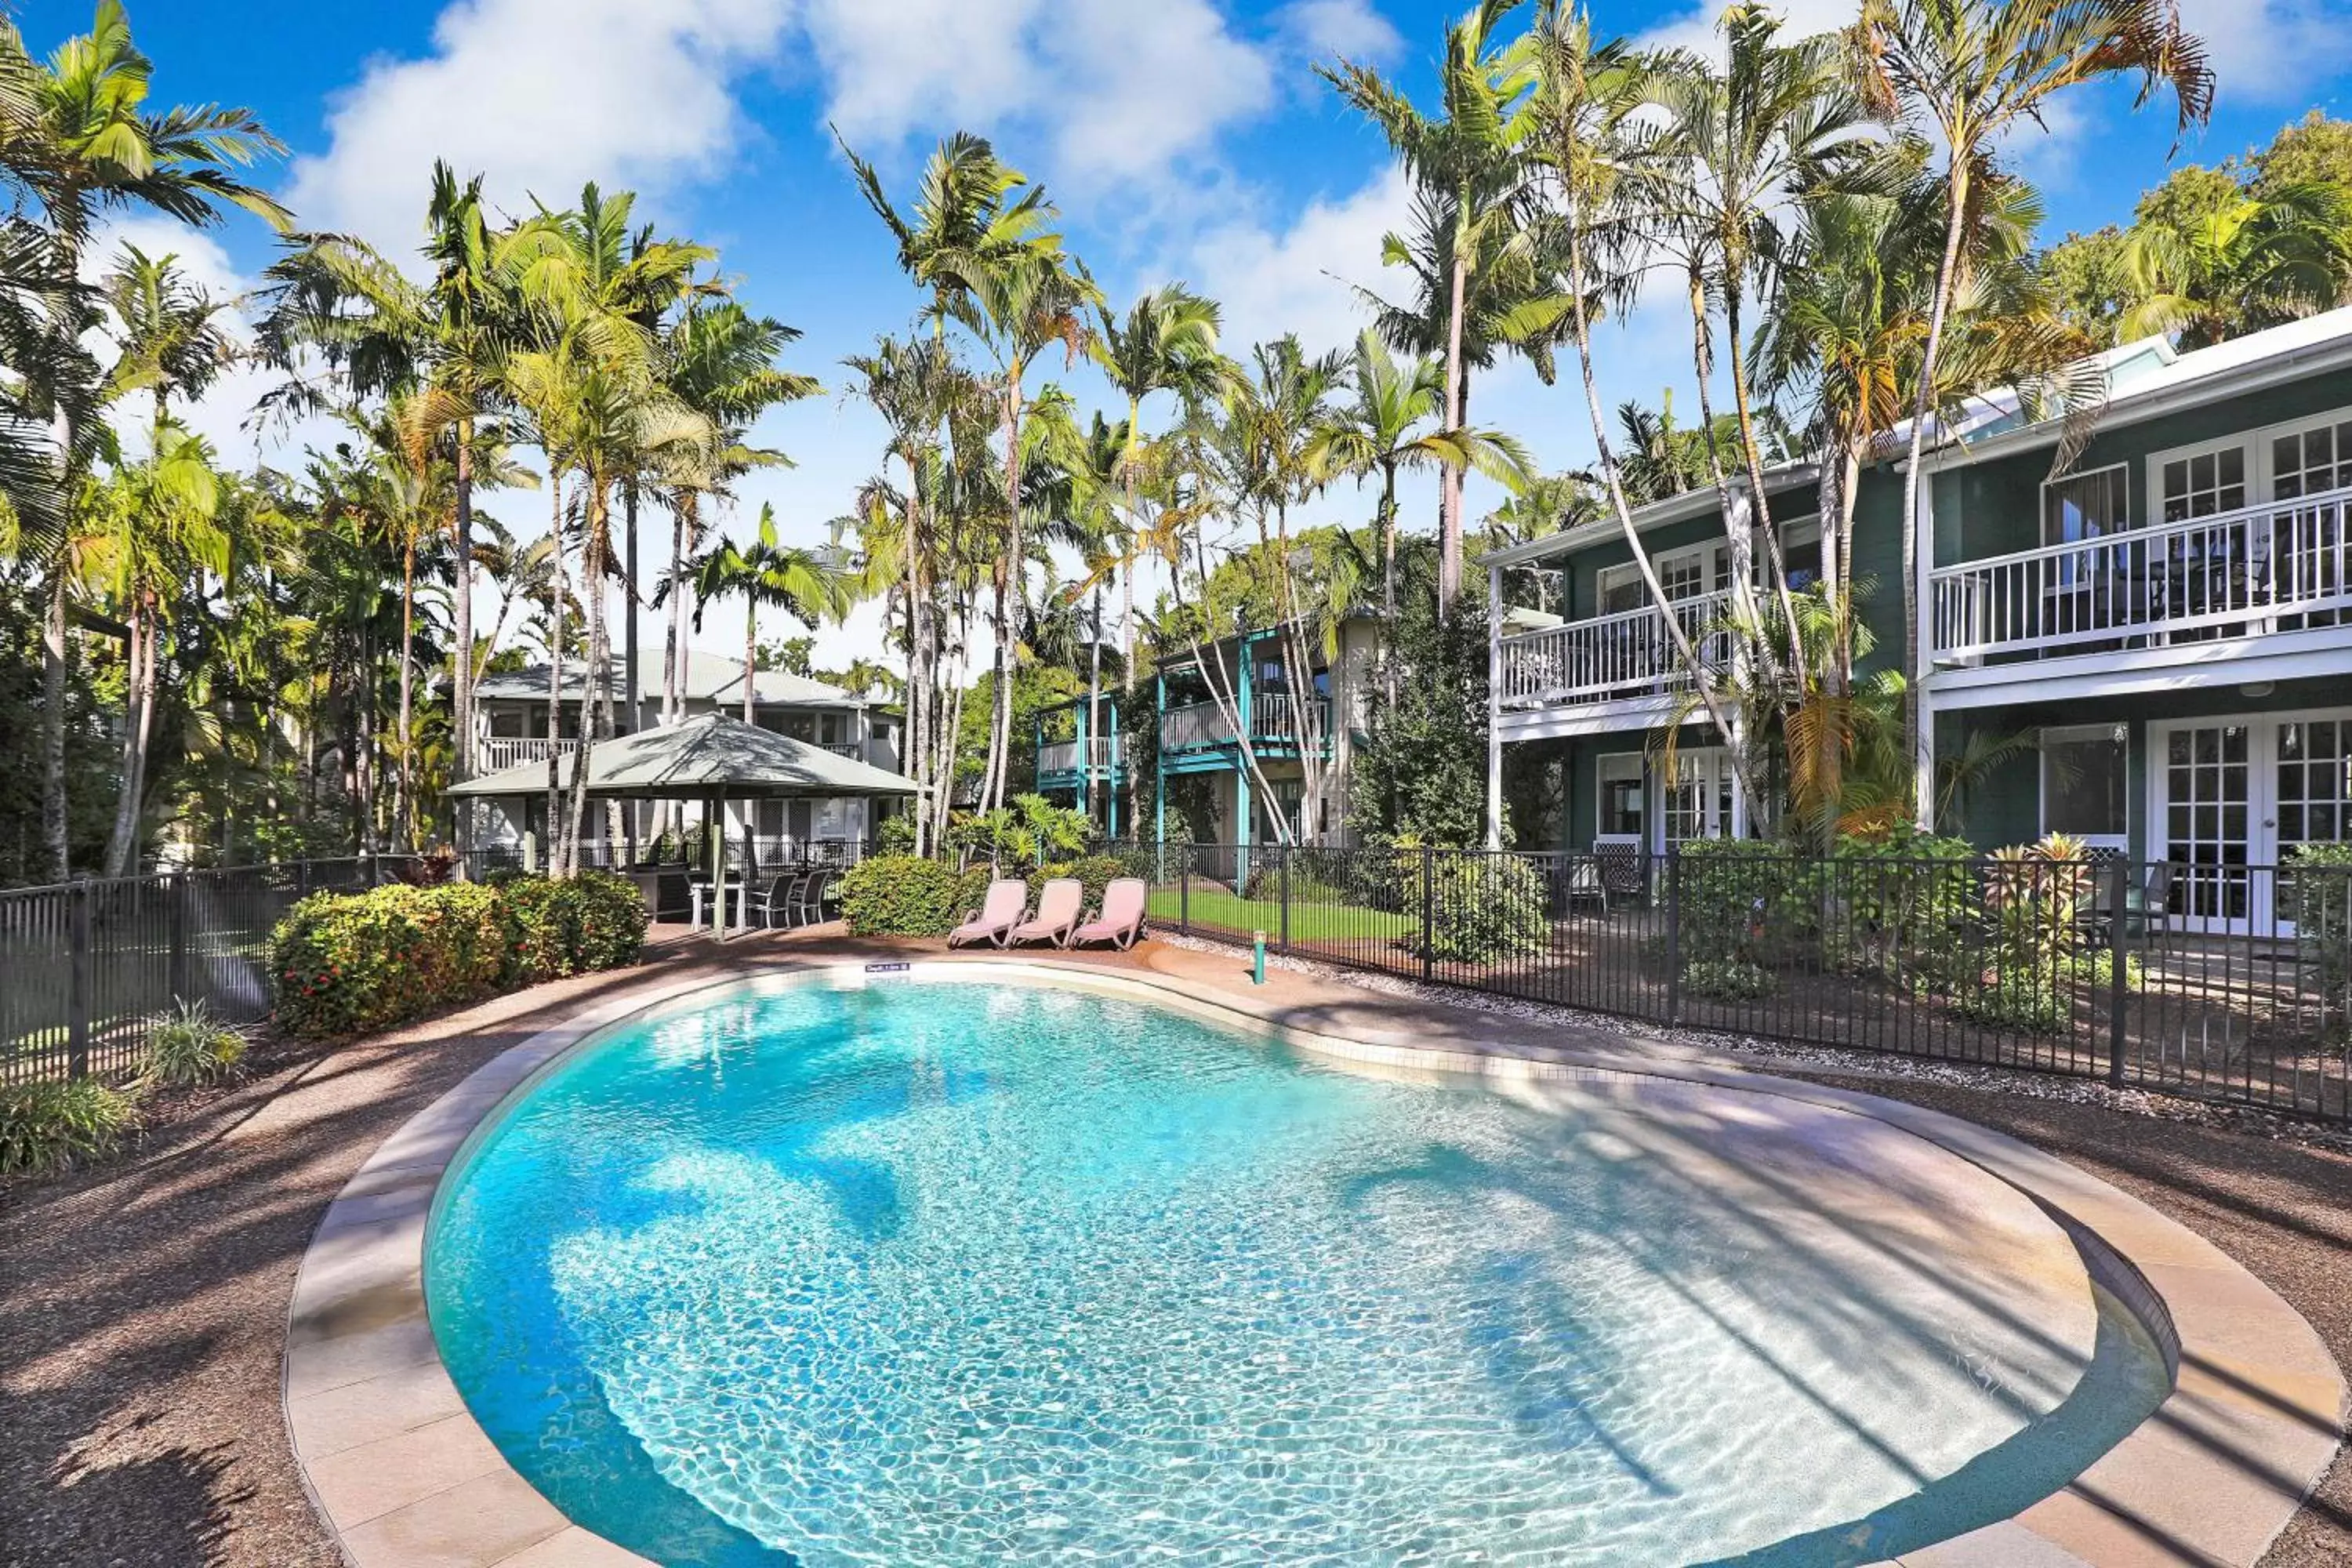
[402, 1477]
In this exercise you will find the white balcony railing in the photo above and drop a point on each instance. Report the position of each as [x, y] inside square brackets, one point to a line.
[1103, 754]
[1628, 654]
[2282, 566]
[495, 752]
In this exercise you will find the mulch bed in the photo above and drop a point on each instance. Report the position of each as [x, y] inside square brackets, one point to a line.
[143, 1306]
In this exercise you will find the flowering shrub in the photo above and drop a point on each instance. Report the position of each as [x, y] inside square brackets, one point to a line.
[346, 963]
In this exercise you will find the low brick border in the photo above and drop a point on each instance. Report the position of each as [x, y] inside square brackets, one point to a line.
[404, 1478]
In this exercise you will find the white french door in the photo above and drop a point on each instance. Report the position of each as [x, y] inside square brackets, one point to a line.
[2239, 793]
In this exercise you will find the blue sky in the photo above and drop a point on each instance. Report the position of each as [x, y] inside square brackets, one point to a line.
[1181, 137]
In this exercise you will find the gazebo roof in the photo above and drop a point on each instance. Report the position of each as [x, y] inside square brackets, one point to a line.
[709, 755]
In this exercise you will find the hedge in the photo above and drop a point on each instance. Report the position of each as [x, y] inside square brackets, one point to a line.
[909, 895]
[347, 963]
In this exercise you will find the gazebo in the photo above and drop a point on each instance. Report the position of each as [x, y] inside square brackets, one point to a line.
[711, 758]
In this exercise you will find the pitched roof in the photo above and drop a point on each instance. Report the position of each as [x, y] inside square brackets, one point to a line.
[709, 678]
[711, 755]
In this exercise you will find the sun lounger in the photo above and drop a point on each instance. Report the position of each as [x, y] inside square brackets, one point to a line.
[1059, 903]
[1008, 898]
[1120, 921]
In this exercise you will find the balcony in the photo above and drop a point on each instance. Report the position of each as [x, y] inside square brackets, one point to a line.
[2267, 586]
[1613, 671]
[1204, 727]
[495, 752]
[1059, 759]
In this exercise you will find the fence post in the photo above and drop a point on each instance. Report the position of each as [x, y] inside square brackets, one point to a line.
[1674, 931]
[1428, 913]
[302, 879]
[1184, 892]
[176, 898]
[1282, 886]
[78, 987]
[2118, 952]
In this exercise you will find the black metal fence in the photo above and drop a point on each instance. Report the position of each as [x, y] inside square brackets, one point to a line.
[2229, 982]
[87, 966]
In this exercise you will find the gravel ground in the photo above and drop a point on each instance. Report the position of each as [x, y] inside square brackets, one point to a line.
[143, 1306]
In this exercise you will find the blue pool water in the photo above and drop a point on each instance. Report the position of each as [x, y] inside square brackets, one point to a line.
[965, 1273]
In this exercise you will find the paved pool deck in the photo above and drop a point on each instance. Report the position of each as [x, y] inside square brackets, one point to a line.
[141, 1329]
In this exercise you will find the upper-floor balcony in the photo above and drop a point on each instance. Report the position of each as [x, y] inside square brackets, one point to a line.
[495, 751]
[2263, 592]
[1204, 727]
[1105, 758]
[1621, 670]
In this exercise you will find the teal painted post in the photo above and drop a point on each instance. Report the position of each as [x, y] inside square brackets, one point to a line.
[1243, 753]
[1081, 795]
[1111, 773]
[1158, 764]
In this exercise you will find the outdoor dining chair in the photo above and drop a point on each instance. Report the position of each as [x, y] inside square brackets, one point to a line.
[775, 905]
[809, 898]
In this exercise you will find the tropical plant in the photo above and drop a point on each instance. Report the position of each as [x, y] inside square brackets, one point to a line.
[1975, 71]
[191, 1047]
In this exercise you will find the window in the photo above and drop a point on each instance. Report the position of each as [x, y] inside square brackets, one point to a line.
[1621, 590]
[2085, 782]
[2309, 462]
[2087, 506]
[1623, 796]
[2203, 484]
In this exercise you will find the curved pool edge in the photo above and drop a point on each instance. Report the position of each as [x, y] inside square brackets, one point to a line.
[400, 1473]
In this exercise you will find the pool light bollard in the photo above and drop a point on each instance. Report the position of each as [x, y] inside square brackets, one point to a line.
[1257, 964]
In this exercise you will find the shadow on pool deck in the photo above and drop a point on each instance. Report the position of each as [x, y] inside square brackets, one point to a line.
[143, 1306]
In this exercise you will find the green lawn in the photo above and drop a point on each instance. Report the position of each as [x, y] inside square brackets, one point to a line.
[1309, 922]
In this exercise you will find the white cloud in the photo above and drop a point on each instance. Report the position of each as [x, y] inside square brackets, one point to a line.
[1352, 29]
[1698, 30]
[541, 95]
[2272, 51]
[1300, 280]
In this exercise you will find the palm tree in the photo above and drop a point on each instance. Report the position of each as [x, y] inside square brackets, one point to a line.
[1586, 100]
[1779, 117]
[798, 581]
[1166, 342]
[1375, 433]
[1467, 161]
[2254, 262]
[915, 386]
[83, 142]
[1977, 70]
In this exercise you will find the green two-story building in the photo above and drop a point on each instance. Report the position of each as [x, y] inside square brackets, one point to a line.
[2167, 621]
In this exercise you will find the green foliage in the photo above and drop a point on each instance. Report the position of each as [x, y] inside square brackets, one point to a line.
[1094, 870]
[345, 963]
[1728, 980]
[896, 834]
[1482, 907]
[49, 1126]
[1421, 768]
[594, 920]
[1031, 829]
[909, 895]
[190, 1048]
[2319, 891]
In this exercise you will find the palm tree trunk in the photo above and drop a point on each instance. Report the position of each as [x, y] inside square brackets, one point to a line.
[1449, 518]
[403, 806]
[751, 649]
[629, 607]
[600, 659]
[914, 727]
[1388, 582]
[556, 592]
[1740, 538]
[461, 667]
[1009, 568]
[1762, 503]
[1702, 680]
[1923, 805]
[126, 809]
[57, 655]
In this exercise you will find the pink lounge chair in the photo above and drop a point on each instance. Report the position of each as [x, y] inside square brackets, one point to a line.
[994, 922]
[1059, 903]
[1120, 921]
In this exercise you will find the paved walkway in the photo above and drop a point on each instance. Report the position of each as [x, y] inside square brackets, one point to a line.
[143, 1308]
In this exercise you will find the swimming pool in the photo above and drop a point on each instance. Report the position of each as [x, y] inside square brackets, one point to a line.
[961, 1270]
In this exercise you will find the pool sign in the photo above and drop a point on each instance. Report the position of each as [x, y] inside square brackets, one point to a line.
[887, 968]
